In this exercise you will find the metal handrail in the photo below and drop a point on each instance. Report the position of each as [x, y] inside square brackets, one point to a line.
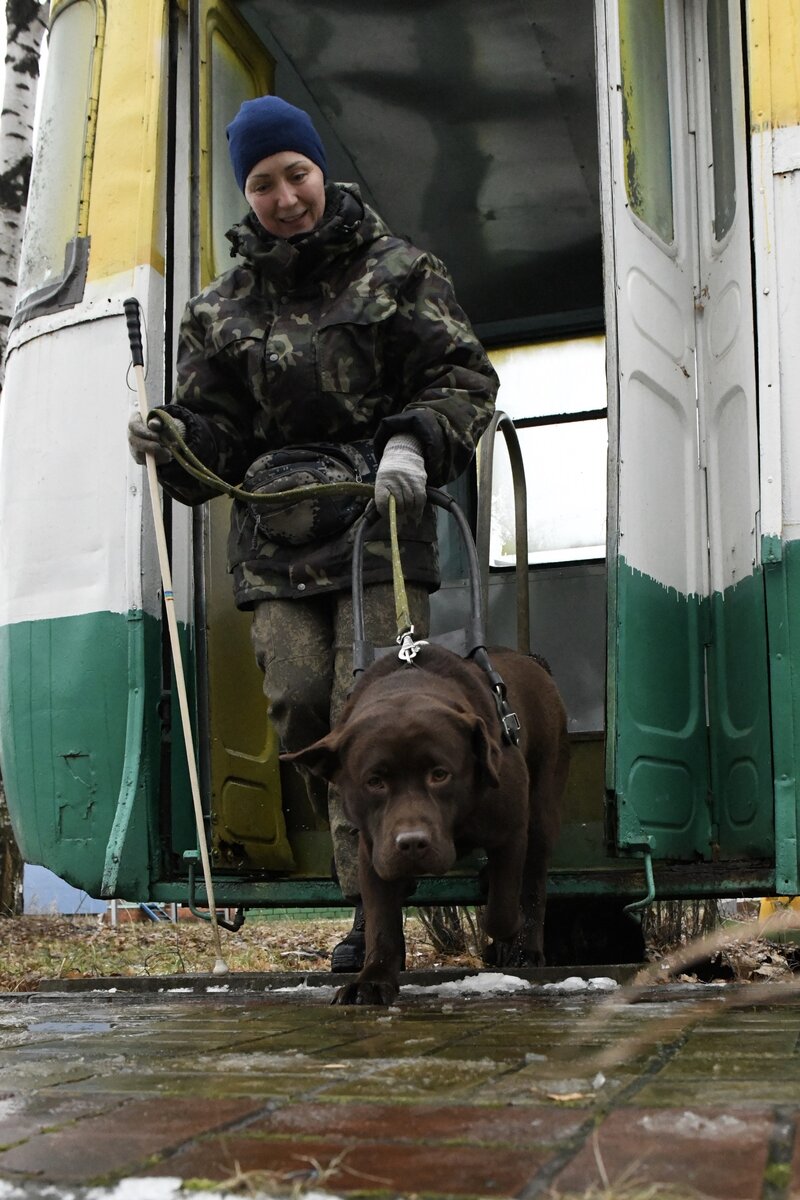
[485, 471]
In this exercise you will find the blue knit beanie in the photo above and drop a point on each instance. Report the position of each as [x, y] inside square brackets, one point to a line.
[266, 126]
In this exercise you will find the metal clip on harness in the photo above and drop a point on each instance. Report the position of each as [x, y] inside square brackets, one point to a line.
[469, 642]
[409, 649]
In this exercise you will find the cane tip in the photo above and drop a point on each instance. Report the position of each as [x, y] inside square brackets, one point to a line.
[221, 967]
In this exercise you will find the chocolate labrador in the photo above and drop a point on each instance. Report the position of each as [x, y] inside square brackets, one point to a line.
[425, 775]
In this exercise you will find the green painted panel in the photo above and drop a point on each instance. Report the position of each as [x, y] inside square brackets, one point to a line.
[64, 691]
[696, 783]
[739, 715]
[661, 750]
[782, 575]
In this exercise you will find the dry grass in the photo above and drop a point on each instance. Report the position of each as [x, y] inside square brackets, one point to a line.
[38, 947]
[53, 947]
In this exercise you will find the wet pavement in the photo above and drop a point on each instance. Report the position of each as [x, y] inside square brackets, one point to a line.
[529, 1091]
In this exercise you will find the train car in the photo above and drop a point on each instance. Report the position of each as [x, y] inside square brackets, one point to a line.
[613, 186]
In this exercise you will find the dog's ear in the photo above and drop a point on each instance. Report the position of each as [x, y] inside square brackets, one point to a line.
[321, 758]
[488, 752]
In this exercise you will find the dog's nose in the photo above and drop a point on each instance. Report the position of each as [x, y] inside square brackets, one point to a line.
[413, 841]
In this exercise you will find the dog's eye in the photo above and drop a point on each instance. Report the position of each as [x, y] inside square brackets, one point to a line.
[375, 783]
[438, 775]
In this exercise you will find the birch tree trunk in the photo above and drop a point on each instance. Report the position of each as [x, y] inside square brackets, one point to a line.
[26, 24]
[11, 865]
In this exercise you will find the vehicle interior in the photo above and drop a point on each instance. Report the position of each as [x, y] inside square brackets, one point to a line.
[475, 136]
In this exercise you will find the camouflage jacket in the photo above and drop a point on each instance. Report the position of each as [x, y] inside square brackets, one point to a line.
[344, 334]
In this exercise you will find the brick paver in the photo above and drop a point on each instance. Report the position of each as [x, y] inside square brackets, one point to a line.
[518, 1095]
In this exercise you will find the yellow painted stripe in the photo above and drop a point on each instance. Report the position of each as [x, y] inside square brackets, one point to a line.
[126, 200]
[774, 57]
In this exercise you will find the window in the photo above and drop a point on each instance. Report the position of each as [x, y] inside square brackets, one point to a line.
[645, 113]
[54, 203]
[555, 393]
[722, 139]
[235, 68]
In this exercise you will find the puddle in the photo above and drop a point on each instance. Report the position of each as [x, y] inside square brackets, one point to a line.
[70, 1027]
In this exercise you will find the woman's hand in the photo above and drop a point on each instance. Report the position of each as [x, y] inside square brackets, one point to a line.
[146, 439]
[402, 474]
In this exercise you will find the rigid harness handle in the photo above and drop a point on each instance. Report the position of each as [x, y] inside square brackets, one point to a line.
[474, 637]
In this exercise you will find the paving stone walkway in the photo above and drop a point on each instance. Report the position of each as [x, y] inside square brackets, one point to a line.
[525, 1093]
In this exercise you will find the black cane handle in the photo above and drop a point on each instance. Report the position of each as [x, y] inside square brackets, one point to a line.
[134, 330]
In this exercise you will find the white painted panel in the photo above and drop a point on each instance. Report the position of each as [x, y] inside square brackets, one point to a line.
[658, 488]
[71, 497]
[724, 322]
[765, 250]
[661, 515]
[786, 195]
[733, 488]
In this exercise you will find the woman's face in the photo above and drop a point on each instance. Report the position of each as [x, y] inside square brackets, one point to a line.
[286, 191]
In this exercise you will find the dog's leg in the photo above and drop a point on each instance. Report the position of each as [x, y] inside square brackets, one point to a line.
[504, 868]
[534, 898]
[518, 944]
[379, 981]
[546, 793]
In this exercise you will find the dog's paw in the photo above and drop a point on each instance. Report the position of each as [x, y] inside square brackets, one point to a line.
[512, 954]
[372, 992]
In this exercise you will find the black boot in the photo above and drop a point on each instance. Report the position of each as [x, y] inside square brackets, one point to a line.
[348, 955]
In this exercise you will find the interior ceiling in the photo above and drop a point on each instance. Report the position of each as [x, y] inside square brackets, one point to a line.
[471, 128]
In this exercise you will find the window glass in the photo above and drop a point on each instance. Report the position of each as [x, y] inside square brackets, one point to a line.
[722, 140]
[564, 458]
[645, 113]
[231, 85]
[552, 377]
[55, 195]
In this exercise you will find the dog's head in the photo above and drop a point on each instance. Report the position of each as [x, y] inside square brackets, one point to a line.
[409, 771]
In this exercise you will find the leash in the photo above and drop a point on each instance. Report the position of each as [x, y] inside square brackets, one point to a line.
[193, 466]
[409, 646]
[405, 630]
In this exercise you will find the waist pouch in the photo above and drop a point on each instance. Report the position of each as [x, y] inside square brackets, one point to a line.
[309, 520]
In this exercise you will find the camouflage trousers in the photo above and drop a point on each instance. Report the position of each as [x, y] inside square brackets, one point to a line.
[305, 649]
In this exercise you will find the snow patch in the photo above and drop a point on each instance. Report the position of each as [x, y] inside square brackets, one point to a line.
[691, 1124]
[574, 983]
[485, 984]
[307, 988]
[157, 1188]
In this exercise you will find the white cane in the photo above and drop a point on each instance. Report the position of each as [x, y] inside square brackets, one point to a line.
[135, 338]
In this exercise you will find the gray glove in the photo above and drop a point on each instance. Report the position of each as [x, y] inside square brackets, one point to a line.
[146, 439]
[402, 474]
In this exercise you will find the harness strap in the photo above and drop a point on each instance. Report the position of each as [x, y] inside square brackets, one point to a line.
[509, 720]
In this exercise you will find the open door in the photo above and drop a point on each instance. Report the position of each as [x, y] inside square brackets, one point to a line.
[688, 758]
[248, 823]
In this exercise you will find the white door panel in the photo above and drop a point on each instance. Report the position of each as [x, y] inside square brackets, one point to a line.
[690, 760]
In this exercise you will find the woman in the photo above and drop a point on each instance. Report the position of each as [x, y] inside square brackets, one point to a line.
[331, 330]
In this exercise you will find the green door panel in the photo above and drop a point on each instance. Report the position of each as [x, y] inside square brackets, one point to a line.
[63, 760]
[661, 754]
[782, 575]
[739, 712]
